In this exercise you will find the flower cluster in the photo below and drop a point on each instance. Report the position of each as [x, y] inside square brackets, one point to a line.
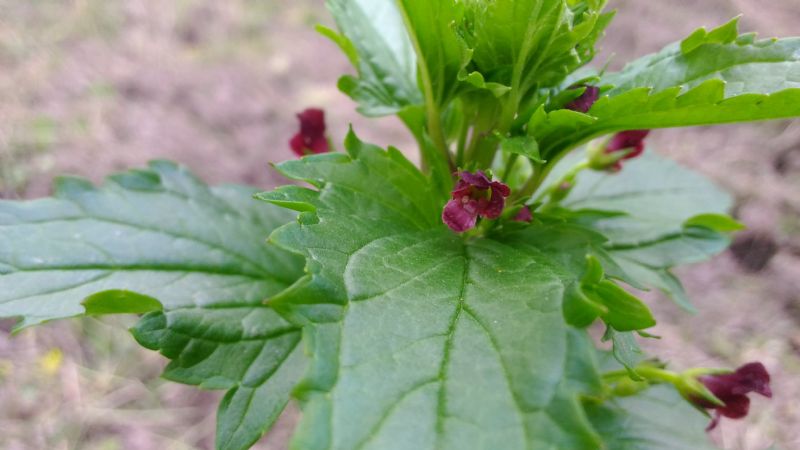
[311, 137]
[475, 195]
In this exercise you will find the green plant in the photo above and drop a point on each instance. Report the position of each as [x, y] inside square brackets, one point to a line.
[444, 306]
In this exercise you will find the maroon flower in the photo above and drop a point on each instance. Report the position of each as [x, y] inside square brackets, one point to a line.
[732, 389]
[586, 100]
[311, 137]
[524, 215]
[474, 195]
[632, 141]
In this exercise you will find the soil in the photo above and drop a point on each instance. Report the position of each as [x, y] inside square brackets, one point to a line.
[90, 87]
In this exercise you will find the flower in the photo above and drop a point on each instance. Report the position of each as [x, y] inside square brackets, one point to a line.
[474, 195]
[311, 137]
[623, 145]
[732, 390]
[524, 215]
[584, 103]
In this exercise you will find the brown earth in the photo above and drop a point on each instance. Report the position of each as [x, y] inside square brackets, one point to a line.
[90, 87]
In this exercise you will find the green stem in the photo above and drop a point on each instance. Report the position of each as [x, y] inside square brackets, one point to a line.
[649, 373]
[509, 166]
[567, 178]
[462, 144]
[434, 123]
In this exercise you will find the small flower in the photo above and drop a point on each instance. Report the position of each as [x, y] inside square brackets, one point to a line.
[732, 390]
[474, 195]
[623, 145]
[584, 103]
[524, 215]
[311, 137]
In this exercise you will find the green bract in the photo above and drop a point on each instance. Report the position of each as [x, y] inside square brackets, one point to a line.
[349, 292]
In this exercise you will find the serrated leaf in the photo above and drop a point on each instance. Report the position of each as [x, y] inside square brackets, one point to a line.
[154, 239]
[657, 419]
[248, 350]
[719, 80]
[647, 239]
[422, 339]
[522, 145]
[724, 34]
[375, 40]
[176, 240]
[522, 43]
[625, 350]
[642, 191]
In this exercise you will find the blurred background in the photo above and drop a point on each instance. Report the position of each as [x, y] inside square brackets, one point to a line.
[89, 87]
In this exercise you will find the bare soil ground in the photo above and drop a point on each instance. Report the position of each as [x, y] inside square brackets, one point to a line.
[89, 87]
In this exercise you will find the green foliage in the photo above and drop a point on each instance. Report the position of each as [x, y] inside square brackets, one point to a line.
[160, 240]
[715, 79]
[376, 42]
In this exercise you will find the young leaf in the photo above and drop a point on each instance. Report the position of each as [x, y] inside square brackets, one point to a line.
[159, 239]
[375, 40]
[625, 350]
[523, 43]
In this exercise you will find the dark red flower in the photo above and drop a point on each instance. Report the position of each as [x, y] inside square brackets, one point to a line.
[631, 141]
[732, 389]
[524, 215]
[311, 137]
[474, 195]
[586, 100]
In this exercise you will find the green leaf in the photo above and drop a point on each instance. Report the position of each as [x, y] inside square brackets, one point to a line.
[158, 239]
[522, 145]
[648, 239]
[375, 40]
[657, 419]
[158, 232]
[642, 190]
[717, 80]
[724, 34]
[524, 43]
[717, 222]
[248, 350]
[625, 350]
[420, 338]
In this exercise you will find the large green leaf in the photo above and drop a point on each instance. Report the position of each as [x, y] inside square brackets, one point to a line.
[160, 240]
[420, 338]
[374, 37]
[657, 419]
[712, 80]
